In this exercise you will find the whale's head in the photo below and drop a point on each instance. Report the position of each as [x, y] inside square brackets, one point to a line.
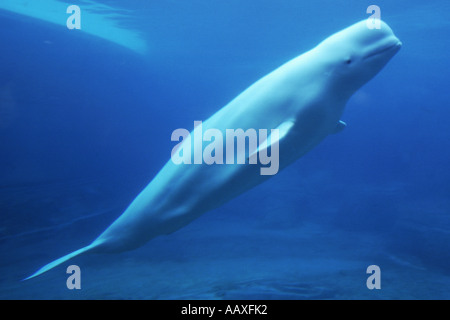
[353, 56]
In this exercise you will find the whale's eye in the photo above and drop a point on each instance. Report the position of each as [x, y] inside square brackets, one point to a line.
[348, 61]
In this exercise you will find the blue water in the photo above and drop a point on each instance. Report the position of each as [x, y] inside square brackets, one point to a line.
[85, 124]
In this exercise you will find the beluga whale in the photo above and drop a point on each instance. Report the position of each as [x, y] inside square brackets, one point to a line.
[302, 100]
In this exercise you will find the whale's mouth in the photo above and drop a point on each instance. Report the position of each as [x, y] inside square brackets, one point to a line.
[391, 47]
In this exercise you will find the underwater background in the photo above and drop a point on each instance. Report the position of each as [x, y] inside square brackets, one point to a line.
[85, 123]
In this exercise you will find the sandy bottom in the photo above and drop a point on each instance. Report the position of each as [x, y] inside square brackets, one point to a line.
[228, 261]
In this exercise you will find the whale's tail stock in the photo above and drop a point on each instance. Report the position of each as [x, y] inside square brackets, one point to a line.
[63, 259]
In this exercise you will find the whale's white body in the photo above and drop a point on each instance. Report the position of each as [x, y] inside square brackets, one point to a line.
[304, 97]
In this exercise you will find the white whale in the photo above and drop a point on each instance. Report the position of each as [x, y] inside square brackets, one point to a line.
[98, 20]
[303, 98]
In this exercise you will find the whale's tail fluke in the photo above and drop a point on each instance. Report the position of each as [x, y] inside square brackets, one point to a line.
[57, 262]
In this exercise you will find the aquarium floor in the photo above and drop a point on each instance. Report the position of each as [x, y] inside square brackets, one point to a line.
[225, 261]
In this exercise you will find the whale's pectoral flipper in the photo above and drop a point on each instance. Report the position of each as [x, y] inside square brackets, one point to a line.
[283, 129]
[57, 262]
[339, 126]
